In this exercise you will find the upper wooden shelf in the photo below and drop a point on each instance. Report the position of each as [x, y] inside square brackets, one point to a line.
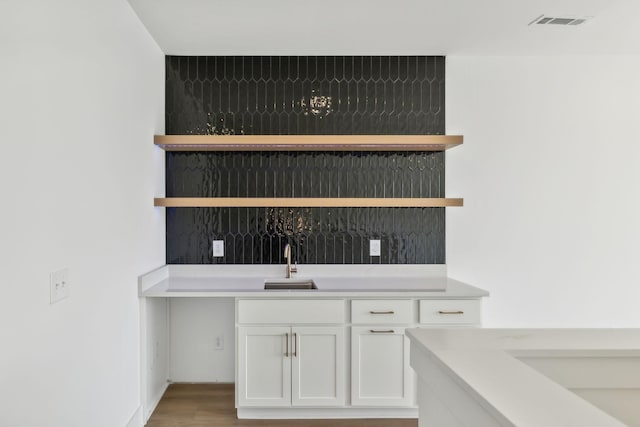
[304, 202]
[307, 142]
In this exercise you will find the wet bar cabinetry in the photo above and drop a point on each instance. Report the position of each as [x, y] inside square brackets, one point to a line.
[380, 373]
[335, 352]
[297, 359]
[334, 357]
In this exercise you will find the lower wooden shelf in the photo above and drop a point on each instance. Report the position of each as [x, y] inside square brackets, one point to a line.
[289, 202]
[307, 142]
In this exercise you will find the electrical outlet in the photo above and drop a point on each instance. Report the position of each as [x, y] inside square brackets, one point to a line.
[219, 344]
[374, 247]
[218, 248]
[59, 286]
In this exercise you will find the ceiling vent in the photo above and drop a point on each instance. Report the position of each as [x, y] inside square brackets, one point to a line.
[560, 20]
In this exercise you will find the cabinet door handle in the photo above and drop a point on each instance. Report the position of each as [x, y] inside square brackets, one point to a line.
[450, 312]
[387, 331]
[295, 344]
[381, 312]
[286, 347]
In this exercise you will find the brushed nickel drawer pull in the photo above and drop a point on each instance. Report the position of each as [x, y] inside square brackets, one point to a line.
[286, 347]
[451, 312]
[388, 331]
[382, 312]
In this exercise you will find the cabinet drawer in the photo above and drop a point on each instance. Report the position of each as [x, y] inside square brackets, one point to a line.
[450, 311]
[291, 311]
[382, 311]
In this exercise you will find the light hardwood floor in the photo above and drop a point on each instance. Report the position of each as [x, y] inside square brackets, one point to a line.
[205, 405]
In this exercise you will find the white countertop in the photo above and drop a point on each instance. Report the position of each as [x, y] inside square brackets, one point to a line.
[485, 363]
[332, 281]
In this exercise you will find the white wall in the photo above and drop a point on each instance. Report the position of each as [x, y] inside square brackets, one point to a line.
[155, 355]
[195, 324]
[82, 88]
[550, 173]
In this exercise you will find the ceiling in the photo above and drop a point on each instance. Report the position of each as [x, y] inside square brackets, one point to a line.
[391, 27]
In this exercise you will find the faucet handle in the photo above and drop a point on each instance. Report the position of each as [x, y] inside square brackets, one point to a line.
[294, 268]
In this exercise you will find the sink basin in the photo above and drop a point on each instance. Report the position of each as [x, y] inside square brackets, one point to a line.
[290, 284]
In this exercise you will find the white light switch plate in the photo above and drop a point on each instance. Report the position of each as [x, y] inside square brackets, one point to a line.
[218, 248]
[59, 286]
[374, 247]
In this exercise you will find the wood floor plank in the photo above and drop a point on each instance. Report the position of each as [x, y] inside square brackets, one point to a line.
[207, 405]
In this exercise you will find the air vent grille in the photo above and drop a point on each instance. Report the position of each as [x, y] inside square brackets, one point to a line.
[560, 20]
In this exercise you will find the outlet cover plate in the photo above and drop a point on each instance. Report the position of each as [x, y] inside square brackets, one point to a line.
[374, 247]
[59, 286]
[218, 248]
[219, 343]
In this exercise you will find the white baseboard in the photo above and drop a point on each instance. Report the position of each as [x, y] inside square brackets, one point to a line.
[136, 419]
[153, 403]
[325, 413]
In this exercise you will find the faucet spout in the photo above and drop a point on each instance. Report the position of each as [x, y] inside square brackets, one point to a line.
[287, 255]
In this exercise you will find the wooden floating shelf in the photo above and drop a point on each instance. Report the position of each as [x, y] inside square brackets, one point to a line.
[290, 202]
[307, 142]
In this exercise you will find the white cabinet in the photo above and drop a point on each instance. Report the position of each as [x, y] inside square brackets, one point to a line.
[380, 372]
[284, 364]
[318, 365]
[382, 312]
[264, 370]
[302, 311]
[450, 312]
[294, 353]
[291, 366]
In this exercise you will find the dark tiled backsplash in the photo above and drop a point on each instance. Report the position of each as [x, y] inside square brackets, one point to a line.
[317, 235]
[305, 174]
[305, 95]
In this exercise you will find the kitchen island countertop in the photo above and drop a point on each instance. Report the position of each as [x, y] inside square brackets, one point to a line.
[525, 377]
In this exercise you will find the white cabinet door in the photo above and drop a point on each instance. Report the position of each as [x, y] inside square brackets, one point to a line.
[264, 366]
[380, 371]
[318, 365]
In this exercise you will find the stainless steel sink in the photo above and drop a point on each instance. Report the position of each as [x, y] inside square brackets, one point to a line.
[290, 284]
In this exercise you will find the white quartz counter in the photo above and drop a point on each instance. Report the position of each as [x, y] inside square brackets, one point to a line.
[492, 367]
[331, 281]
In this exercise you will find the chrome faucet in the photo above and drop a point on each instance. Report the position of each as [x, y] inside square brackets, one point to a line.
[287, 255]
